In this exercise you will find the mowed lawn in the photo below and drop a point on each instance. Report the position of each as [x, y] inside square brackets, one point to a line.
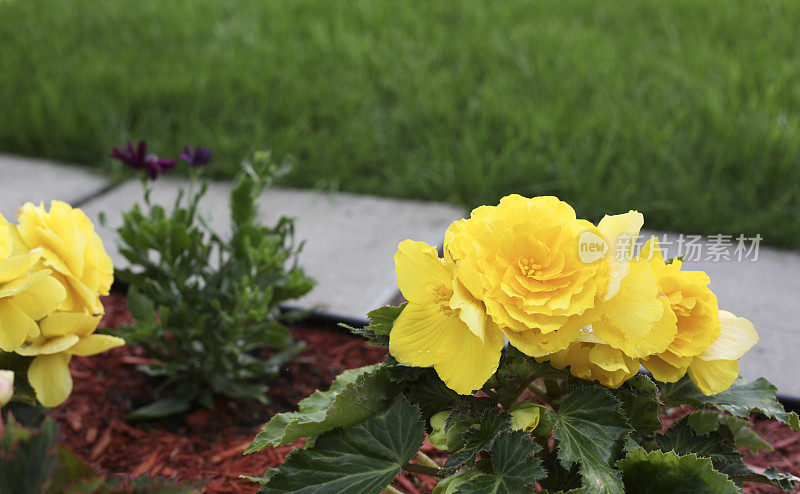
[686, 110]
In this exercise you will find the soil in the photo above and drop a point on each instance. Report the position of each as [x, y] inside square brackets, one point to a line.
[207, 445]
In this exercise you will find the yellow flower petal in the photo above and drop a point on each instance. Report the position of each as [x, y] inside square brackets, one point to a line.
[470, 310]
[651, 253]
[423, 335]
[21, 284]
[61, 323]
[79, 297]
[737, 335]
[632, 312]
[16, 266]
[5, 238]
[473, 362]
[94, 344]
[49, 375]
[620, 232]
[420, 272]
[713, 376]
[664, 370]
[42, 298]
[49, 347]
[534, 343]
[15, 325]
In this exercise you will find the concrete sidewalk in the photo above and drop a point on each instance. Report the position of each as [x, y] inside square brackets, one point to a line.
[351, 241]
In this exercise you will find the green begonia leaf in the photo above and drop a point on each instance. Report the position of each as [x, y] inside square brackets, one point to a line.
[657, 471]
[591, 431]
[514, 468]
[719, 445]
[478, 437]
[740, 400]
[704, 421]
[380, 325]
[355, 395]
[640, 404]
[359, 459]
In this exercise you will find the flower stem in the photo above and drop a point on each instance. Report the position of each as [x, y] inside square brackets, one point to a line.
[414, 468]
[390, 490]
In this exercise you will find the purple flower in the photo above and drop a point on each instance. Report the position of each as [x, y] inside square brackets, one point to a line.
[156, 165]
[133, 157]
[138, 159]
[199, 156]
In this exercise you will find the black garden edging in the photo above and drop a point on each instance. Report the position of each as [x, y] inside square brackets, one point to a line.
[790, 403]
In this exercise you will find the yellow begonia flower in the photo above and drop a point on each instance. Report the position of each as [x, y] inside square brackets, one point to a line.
[28, 292]
[521, 259]
[72, 249]
[443, 325]
[595, 361]
[696, 311]
[714, 370]
[63, 334]
[630, 314]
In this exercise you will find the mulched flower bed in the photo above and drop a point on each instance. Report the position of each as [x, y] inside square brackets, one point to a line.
[207, 445]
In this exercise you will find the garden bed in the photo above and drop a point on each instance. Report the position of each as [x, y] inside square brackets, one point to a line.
[207, 445]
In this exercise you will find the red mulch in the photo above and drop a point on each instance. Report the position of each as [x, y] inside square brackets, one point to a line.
[207, 445]
[203, 444]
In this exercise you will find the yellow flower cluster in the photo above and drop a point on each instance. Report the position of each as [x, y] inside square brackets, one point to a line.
[53, 269]
[563, 290]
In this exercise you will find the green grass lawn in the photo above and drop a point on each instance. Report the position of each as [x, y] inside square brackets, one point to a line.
[686, 110]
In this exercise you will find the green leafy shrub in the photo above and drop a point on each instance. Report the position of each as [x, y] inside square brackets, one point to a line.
[203, 304]
[583, 437]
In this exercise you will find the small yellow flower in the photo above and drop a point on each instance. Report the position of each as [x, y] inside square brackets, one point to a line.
[443, 325]
[63, 334]
[72, 249]
[696, 311]
[28, 292]
[521, 259]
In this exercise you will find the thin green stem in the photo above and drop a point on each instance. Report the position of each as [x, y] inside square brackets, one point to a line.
[414, 468]
[390, 490]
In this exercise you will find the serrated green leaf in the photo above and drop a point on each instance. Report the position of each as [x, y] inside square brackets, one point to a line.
[657, 471]
[514, 467]
[360, 459]
[381, 321]
[704, 421]
[640, 404]
[558, 478]
[683, 439]
[479, 437]
[740, 400]
[355, 395]
[772, 476]
[591, 431]
[719, 445]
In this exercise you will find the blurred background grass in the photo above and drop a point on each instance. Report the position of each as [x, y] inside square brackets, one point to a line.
[686, 110]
